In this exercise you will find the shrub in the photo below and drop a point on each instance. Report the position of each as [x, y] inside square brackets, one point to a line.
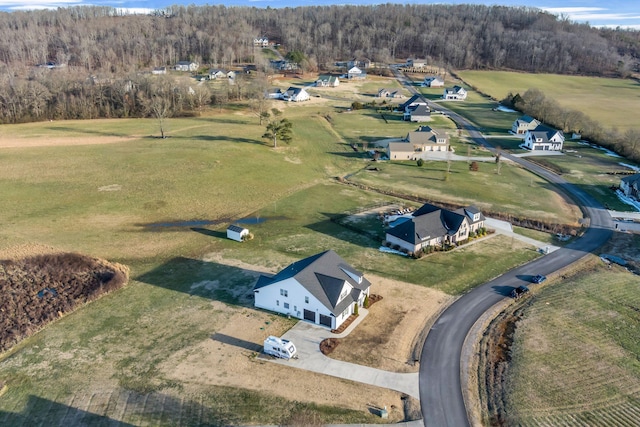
[355, 309]
[355, 105]
[420, 162]
[473, 167]
[365, 304]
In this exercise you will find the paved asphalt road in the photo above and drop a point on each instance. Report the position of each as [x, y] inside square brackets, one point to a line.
[440, 379]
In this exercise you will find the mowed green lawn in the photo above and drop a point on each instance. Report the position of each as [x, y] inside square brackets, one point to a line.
[514, 191]
[613, 103]
[575, 353]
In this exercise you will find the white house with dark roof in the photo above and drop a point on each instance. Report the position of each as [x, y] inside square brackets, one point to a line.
[630, 186]
[295, 94]
[322, 289]
[543, 138]
[186, 66]
[433, 81]
[434, 226]
[523, 124]
[455, 93]
[237, 233]
[327, 80]
[356, 73]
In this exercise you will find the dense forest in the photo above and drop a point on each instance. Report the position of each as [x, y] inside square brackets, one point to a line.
[457, 36]
[105, 57]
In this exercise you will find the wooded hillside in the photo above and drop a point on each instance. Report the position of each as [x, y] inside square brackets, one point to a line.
[457, 36]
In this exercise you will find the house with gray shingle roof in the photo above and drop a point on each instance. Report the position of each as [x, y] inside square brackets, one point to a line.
[523, 124]
[434, 226]
[456, 93]
[543, 138]
[322, 289]
[630, 186]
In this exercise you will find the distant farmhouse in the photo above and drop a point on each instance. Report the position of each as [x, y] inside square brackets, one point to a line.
[415, 109]
[416, 63]
[261, 41]
[356, 73]
[326, 80]
[523, 124]
[630, 186]
[389, 93]
[218, 74]
[159, 70]
[186, 66]
[431, 81]
[322, 289]
[434, 226]
[295, 94]
[418, 143]
[362, 63]
[455, 93]
[543, 138]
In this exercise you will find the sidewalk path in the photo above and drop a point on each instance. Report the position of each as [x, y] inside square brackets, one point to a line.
[307, 337]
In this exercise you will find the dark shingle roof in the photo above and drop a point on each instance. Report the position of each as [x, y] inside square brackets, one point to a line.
[323, 275]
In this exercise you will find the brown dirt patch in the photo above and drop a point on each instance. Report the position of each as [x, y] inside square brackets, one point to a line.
[232, 357]
[390, 337]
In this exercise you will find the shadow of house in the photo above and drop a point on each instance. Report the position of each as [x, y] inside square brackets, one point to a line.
[207, 279]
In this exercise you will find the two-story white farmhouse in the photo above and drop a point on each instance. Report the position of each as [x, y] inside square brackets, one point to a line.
[543, 138]
[322, 289]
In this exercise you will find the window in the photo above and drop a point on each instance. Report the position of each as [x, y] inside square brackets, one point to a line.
[286, 305]
[278, 302]
[306, 300]
[295, 308]
[284, 292]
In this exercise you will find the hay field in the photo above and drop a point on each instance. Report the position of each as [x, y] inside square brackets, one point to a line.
[575, 353]
[612, 102]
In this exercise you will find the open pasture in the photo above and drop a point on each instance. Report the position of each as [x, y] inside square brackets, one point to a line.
[574, 354]
[484, 188]
[611, 102]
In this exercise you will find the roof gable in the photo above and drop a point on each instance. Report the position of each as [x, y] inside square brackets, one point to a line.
[325, 276]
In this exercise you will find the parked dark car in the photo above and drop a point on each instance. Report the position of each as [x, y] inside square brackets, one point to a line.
[519, 291]
[539, 278]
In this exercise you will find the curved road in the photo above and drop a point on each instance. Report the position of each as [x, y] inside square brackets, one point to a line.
[441, 396]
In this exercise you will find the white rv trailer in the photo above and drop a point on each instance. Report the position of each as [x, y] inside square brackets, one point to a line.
[280, 348]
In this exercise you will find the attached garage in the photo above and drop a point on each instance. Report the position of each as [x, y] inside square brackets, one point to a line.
[326, 321]
[310, 315]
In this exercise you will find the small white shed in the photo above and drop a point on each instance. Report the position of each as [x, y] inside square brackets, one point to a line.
[237, 233]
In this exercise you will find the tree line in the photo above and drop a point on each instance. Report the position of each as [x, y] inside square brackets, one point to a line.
[99, 39]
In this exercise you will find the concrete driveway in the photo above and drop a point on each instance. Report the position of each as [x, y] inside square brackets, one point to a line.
[307, 337]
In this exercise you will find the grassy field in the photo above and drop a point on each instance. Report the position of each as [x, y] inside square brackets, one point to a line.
[161, 206]
[575, 353]
[484, 188]
[592, 170]
[611, 102]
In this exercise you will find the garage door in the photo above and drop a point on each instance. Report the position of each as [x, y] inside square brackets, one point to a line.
[310, 315]
[326, 320]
